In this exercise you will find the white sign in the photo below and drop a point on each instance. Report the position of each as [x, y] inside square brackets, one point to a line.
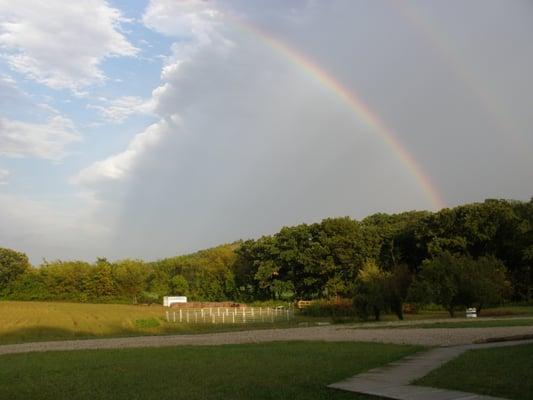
[169, 300]
[471, 313]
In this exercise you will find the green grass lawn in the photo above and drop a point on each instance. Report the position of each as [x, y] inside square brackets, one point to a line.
[296, 370]
[471, 323]
[461, 323]
[504, 372]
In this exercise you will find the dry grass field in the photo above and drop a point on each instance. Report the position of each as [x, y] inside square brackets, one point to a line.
[25, 321]
[22, 321]
[37, 321]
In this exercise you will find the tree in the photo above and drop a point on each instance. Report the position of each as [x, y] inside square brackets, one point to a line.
[397, 288]
[440, 281]
[370, 291]
[396, 244]
[179, 285]
[66, 280]
[158, 282]
[130, 276]
[100, 284]
[12, 265]
[485, 282]
[452, 281]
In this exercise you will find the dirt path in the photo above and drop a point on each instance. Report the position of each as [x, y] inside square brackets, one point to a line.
[426, 337]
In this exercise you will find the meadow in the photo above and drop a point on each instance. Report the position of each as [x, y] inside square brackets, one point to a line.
[22, 321]
[296, 370]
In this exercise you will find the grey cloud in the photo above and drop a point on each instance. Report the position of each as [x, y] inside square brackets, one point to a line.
[256, 142]
[260, 145]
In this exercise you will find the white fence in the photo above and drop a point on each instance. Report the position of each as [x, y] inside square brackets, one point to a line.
[233, 315]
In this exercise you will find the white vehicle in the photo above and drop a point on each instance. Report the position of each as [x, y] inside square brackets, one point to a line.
[169, 300]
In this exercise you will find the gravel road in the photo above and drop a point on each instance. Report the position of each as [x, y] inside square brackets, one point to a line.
[426, 337]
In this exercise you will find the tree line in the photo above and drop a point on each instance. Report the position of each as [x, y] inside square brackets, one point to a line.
[471, 255]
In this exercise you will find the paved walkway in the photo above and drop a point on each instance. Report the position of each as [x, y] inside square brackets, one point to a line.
[393, 380]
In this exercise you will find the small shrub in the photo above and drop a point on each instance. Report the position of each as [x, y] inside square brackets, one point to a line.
[149, 298]
[147, 323]
[333, 309]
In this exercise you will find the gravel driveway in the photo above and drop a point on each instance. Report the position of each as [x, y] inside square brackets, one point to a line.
[426, 337]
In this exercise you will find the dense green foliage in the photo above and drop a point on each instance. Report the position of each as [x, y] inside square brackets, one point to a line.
[471, 255]
[460, 281]
[297, 370]
[12, 265]
[206, 275]
[371, 291]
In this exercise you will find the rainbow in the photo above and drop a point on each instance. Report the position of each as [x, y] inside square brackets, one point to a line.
[361, 109]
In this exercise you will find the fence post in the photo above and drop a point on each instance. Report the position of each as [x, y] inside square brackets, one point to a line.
[181, 314]
[168, 319]
[233, 316]
[187, 316]
[174, 314]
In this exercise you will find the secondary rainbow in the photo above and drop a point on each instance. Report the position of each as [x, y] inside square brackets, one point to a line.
[356, 104]
[440, 43]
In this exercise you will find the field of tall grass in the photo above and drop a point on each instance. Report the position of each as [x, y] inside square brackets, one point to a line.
[38, 321]
[22, 321]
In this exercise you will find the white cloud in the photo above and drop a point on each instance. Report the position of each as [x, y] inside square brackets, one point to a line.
[45, 140]
[59, 43]
[117, 110]
[119, 165]
[9, 91]
[4, 174]
[187, 18]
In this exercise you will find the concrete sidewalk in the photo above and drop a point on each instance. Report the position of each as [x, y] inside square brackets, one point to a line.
[393, 380]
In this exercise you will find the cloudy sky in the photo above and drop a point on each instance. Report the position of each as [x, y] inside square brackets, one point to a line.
[153, 128]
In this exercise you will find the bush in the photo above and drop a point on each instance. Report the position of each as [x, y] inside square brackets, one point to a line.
[147, 323]
[149, 298]
[371, 291]
[332, 309]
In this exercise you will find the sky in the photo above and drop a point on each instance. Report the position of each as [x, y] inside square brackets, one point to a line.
[147, 129]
